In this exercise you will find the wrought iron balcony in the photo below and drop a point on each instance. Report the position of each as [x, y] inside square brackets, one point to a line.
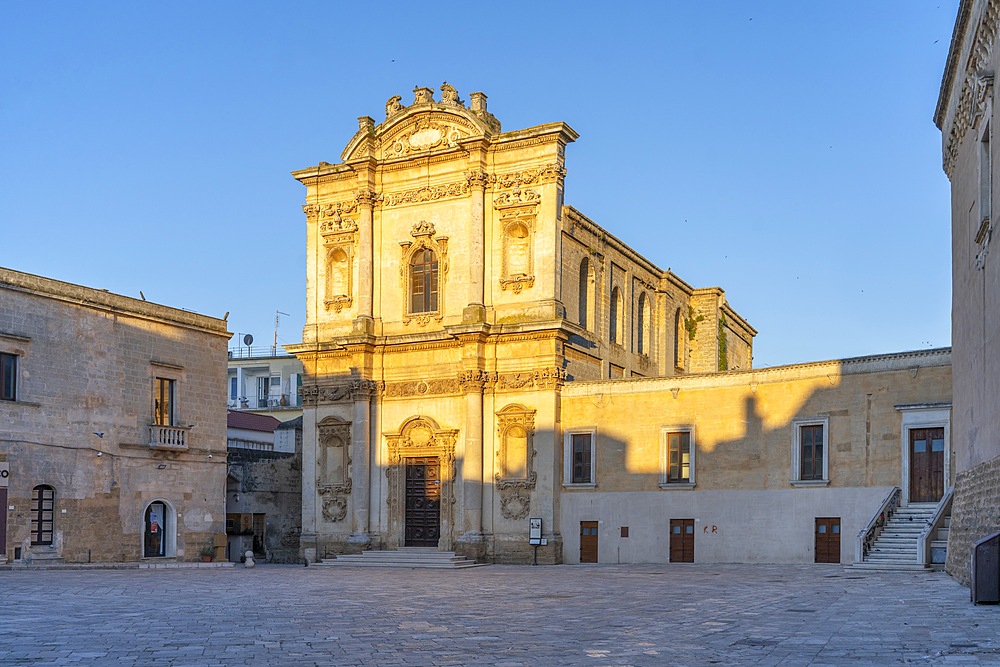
[168, 437]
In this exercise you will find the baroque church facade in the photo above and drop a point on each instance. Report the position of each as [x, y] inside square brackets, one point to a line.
[477, 353]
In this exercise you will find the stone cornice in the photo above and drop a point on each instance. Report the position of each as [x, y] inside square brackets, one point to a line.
[106, 301]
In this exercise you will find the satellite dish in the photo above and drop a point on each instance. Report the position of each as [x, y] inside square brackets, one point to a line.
[248, 340]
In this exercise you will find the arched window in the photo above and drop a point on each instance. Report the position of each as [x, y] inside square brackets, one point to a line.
[641, 323]
[424, 282]
[616, 316]
[678, 339]
[584, 310]
[43, 510]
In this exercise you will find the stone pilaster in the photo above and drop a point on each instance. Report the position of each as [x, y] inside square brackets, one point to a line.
[366, 200]
[476, 311]
[362, 392]
[470, 543]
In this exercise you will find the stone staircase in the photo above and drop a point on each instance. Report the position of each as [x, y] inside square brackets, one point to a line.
[404, 557]
[896, 546]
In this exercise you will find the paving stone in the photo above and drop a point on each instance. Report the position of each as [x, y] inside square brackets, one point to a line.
[500, 615]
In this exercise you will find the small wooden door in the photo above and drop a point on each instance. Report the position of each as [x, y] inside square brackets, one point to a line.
[828, 539]
[926, 464]
[682, 540]
[588, 541]
[423, 502]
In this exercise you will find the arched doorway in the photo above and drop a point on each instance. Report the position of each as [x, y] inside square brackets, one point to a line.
[158, 530]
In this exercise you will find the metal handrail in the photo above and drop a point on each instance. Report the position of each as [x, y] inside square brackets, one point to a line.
[927, 535]
[244, 352]
[870, 533]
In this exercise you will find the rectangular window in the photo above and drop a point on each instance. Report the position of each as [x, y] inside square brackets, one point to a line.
[163, 403]
[8, 377]
[811, 441]
[810, 452]
[579, 458]
[232, 389]
[677, 456]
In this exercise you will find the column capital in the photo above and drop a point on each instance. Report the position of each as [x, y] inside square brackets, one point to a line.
[367, 198]
[477, 179]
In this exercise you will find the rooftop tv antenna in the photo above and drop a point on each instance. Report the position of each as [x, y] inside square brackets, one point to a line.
[274, 346]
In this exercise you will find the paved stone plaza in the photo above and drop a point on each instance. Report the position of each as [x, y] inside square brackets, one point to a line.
[499, 615]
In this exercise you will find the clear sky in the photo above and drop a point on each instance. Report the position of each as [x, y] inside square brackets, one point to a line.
[784, 151]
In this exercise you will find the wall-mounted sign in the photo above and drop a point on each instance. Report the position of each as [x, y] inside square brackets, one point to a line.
[4, 474]
[535, 531]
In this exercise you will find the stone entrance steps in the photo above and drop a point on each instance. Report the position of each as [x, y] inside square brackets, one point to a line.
[896, 547]
[408, 557]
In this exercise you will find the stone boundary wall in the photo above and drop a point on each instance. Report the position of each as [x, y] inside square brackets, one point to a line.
[975, 513]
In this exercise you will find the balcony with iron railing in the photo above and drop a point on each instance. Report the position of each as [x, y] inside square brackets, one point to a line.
[169, 437]
[246, 352]
[271, 402]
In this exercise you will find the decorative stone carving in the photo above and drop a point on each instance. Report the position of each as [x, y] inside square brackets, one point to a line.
[423, 233]
[367, 198]
[477, 179]
[516, 476]
[426, 133]
[545, 174]
[517, 264]
[449, 95]
[472, 381]
[543, 378]
[334, 461]
[420, 437]
[421, 388]
[339, 279]
[516, 197]
[394, 105]
[426, 193]
[423, 95]
[981, 93]
[422, 228]
[313, 395]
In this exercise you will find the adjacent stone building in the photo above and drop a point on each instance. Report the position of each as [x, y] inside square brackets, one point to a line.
[112, 425]
[477, 354]
[964, 114]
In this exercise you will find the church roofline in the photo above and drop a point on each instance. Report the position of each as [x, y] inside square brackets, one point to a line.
[951, 67]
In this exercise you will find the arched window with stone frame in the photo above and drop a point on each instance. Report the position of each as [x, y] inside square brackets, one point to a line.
[616, 316]
[338, 277]
[643, 325]
[586, 294]
[515, 476]
[680, 336]
[424, 281]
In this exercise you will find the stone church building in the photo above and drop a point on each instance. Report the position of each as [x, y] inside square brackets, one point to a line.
[478, 353]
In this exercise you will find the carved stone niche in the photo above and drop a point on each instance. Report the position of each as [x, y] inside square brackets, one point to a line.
[518, 212]
[515, 476]
[333, 480]
[420, 437]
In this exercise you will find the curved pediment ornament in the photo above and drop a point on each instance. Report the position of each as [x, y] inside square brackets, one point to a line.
[427, 124]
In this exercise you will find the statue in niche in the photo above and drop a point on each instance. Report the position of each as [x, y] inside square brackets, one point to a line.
[393, 105]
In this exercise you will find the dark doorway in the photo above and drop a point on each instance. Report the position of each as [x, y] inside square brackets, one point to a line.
[154, 541]
[682, 540]
[588, 541]
[423, 502]
[828, 539]
[3, 520]
[926, 465]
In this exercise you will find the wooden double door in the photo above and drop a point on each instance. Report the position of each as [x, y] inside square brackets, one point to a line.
[682, 540]
[423, 502]
[827, 539]
[926, 464]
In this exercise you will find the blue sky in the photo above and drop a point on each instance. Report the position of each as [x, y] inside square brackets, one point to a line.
[784, 151]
